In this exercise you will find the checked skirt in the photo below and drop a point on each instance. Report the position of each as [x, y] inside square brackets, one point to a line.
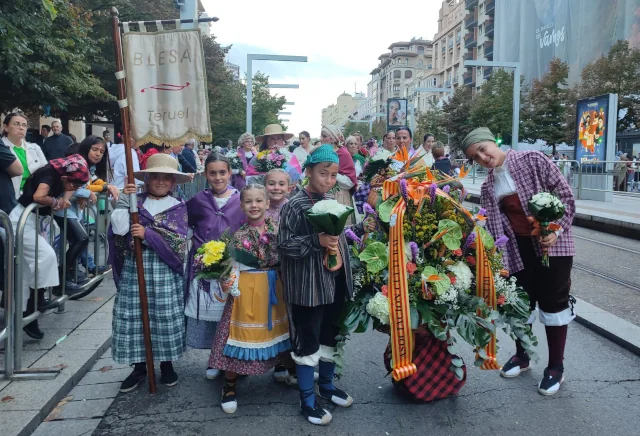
[433, 380]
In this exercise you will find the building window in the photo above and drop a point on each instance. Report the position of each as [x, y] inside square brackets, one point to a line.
[396, 88]
[397, 74]
[420, 63]
[344, 107]
[420, 49]
[408, 74]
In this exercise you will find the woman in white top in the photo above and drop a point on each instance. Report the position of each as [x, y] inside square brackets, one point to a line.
[305, 148]
[14, 130]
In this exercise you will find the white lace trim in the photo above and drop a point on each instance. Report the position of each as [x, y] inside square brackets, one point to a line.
[559, 318]
[311, 360]
[252, 345]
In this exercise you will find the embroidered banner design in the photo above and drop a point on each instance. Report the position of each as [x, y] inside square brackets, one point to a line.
[485, 288]
[399, 310]
[166, 87]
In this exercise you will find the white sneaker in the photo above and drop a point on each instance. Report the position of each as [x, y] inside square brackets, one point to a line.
[549, 385]
[212, 373]
[514, 367]
[229, 406]
[281, 375]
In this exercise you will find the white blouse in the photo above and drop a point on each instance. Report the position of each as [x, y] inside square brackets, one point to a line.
[503, 182]
[120, 217]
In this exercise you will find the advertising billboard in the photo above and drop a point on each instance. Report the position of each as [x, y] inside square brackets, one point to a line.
[578, 32]
[596, 119]
[396, 113]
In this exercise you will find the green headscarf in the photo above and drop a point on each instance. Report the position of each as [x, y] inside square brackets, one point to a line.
[324, 153]
[480, 134]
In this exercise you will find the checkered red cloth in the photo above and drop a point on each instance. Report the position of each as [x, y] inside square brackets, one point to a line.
[361, 196]
[433, 380]
[532, 173]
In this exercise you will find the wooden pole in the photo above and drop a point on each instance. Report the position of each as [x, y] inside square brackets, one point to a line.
[124, 115]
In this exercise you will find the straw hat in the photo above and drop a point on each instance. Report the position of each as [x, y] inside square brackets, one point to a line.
[274, 129]
[162, 163]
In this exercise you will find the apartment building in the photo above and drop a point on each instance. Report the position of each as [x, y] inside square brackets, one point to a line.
[478, 40]
[339, 112]
[397, 70]
[449, 45]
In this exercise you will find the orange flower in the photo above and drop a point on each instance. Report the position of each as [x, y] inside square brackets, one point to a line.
[501, 300]
[457, 252]
[471, 260]
[411, 267]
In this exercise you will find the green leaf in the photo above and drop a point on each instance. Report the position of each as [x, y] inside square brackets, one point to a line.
[384, 210]
[483, 353]
[439, 281]
[456, 361]
[478, 362]
[454, 233]
[48, 5]
[375, 256]
[459, 374]
[487, 239]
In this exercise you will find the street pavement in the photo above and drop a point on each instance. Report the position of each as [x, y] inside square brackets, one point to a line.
[600, 396]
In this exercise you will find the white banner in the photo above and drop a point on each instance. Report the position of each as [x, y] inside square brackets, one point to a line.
[166, 87]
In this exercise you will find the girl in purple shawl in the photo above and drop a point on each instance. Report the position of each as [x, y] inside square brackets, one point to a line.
[163, 230]
[212, 213]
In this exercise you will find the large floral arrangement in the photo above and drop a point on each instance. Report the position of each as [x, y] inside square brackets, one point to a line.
[441, 242]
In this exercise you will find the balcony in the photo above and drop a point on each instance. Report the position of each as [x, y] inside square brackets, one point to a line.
[487, 72]
[444, 49]
[488, 28]
[447, 84]
[468, 56]
[471, 4]
[470, 40]
[469, 79]
[489, 7]
[470, 21]
[488, 49]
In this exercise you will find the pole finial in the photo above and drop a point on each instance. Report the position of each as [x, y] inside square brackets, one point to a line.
[114, 11]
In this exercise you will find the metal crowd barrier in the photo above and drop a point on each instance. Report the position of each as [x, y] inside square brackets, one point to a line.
[188, 190]
[12, 334]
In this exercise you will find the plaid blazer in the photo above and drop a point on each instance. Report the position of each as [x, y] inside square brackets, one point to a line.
[532, 173]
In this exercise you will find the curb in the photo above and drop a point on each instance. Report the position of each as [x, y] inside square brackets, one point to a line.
[611, 327]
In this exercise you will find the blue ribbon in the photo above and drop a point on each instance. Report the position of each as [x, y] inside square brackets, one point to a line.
[273, 298]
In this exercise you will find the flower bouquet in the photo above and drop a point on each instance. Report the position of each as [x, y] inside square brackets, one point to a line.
[330, 217]
[212, 260]
[268, 160]
[234, 160]
[545, 208]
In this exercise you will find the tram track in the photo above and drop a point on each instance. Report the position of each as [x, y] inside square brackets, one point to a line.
[606, 244]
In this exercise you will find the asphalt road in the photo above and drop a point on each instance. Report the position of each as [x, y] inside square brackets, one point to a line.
[601, 396]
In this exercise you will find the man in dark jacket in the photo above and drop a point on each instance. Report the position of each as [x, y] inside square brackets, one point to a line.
[188, 155]
[56, 145]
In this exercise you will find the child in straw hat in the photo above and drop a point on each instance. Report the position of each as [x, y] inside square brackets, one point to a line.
[163, 229]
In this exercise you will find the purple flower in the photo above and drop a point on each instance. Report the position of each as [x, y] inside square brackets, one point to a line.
[432, 193]
[264, 239]
[501, 242]
[446, 189]
[463, 195]
[403, 190]
[470, 240]
[353, 237]
[414, 251]
[368, 209]
[482, 212]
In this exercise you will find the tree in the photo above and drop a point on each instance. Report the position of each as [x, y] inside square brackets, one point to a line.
[493, 106]
[431, 121]
[46, 49]
[549, 107]
[457, 119]
[265, 105]
[619, 73]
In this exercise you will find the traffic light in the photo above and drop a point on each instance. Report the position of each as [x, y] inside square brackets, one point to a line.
[499, 140]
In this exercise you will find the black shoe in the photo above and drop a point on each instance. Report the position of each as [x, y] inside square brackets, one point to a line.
[97, 270]
[551, 381]
[168, 376]
[336, 396]
[514, 367]
[33, 330]
[229, 402]
[138, 375]
[315, 415]
[71, 288]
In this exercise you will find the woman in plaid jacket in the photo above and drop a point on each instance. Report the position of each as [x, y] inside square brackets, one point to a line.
[514, 177]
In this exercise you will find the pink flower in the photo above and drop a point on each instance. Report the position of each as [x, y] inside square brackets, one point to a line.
[457, 252]
[411, 267]
[264, 239]
[246, 244]
[385, 290]
[501, 300]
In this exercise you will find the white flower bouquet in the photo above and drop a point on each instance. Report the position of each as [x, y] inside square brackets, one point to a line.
[545, 208]
[329, 216]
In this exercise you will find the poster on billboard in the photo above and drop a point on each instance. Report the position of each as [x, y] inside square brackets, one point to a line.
[596, 120]
[396, 113]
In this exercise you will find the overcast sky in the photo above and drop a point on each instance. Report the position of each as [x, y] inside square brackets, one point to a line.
[341, 38]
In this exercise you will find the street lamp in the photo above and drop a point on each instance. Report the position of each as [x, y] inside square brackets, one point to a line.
[515, 127]
[283, 86]
[262, 57]
[289, 103]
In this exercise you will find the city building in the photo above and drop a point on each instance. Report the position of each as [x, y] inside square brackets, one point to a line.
[478, 40]
[449, 45]
[339, 113]
[233, 69]
[397, 70]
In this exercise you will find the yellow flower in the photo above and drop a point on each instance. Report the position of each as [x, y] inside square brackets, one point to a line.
[213, 252]
[263, 154]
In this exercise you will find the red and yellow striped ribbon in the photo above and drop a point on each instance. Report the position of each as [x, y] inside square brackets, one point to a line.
[399, 311]
[485, 288]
